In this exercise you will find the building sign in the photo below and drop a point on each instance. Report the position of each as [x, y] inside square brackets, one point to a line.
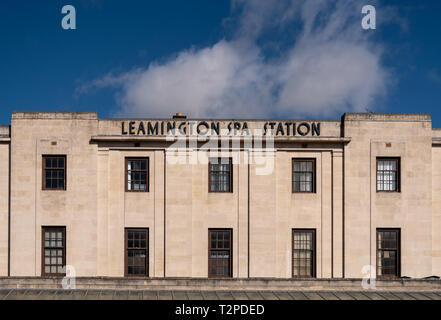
[213, 128]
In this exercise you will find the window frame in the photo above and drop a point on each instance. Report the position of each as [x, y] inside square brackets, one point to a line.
[43, 248]
[230, 230]
[230, 159]
[314, 174]
[398, 253]
[398, 174]
[314, 255]
[43, 171]
[126, 163]
[126, 250]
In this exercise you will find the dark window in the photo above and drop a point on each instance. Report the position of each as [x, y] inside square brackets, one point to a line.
[303, 175]
[303, 256]
[220, 175]
[388, 253]
[53, 251]
[219, 253]
[388, 174]
[137, 253]
[137, 174]
[54, 172]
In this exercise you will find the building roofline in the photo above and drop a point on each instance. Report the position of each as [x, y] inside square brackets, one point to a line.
[59, 115]
[360, 116]
[218, 119]
[51, 111]
[5, 132]
[348, 116]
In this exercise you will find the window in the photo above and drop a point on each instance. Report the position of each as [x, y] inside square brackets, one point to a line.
[219, 252]
[303, 256]
[303, 175]
[54, 172]
[388, 253]
[220, 175]
[53, 251]
[137, 174]
[137, 253]
[388, 174]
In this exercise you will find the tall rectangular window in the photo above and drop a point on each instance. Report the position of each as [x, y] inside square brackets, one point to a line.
[137, 252]
[137, 174]
[303, 255]
[220, 175]
[303, 175]
[219, 253]
[388, 253]
[53, 251]
[388, 174]
[54, 172]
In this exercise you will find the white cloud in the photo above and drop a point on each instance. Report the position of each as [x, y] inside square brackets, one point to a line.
[329, 78]
[330, 67]
[215, 81]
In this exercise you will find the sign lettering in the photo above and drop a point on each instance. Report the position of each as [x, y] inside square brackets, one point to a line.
[214, 128]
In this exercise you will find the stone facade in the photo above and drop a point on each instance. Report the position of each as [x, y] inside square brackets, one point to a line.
[345, 210]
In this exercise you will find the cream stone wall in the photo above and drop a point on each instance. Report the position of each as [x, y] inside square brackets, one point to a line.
[118, 210]
[275, 210]
[436, 209]
[262, 210]
[410, 138]
[192, 210]
[4, 196]
[35, 134]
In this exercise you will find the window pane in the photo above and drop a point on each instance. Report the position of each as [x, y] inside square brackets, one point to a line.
[303, 253]
[303, 176]
[137, 175]
[219, 253]
[220, 175]
[137, 252]
[54, 172]
[54, 250]
[387, 175]
[393, 165]
[387, 252]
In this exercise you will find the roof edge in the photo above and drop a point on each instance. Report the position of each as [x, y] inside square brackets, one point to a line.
[80, 115]
[354, 116]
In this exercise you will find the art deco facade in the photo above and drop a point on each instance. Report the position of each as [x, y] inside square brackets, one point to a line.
[220, 198]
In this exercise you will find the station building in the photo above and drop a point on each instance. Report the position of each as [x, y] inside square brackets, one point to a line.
[228, 198]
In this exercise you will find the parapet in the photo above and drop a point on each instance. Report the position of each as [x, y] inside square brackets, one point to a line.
[56, 115]
[5, 131]
[424, 117]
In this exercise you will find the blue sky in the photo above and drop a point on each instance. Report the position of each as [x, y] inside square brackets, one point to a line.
[220, 58]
